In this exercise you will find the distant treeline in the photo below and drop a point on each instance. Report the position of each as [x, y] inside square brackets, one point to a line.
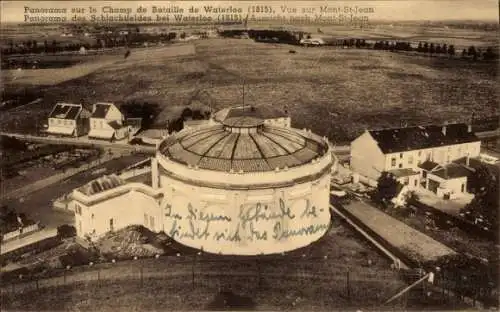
[436, 49]
[289, 37]
[100, 42]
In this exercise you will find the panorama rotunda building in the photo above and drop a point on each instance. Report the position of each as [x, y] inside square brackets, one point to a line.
[242, 187]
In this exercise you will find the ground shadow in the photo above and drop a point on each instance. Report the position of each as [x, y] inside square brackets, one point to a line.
[229, 301]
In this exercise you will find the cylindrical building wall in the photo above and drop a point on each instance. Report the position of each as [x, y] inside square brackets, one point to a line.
[246, 221]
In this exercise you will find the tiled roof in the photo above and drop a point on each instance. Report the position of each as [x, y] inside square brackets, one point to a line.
[421, 137]
[261, 111]
[101, 184]
[65, 111]
[476, 163]
[101, 110]
[452, 171]
[215, 148]
[428, 165]
[115, 125]
[399, 173]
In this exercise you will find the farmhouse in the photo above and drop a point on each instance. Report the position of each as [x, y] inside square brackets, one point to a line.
[237, 187]
[107, 122]
[68, 120]
[418, 157]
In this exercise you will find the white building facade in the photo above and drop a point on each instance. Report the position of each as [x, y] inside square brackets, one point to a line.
[107, 122]
[67, 119]
[241, 187]
[402, 151]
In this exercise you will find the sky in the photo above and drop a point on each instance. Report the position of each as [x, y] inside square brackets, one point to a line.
[433, 10]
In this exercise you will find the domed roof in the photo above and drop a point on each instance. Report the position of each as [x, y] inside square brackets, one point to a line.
[263, 148]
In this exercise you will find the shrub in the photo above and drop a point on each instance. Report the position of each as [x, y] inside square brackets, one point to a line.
[66, 231]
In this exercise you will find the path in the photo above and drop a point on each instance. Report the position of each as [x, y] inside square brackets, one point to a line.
[83, 141]
[406, 239]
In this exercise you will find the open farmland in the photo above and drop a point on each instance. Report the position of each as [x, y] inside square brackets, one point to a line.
[335, 92]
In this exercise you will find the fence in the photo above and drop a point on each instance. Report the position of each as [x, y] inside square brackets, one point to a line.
[306, 277]
[314, 278]
[20, 232]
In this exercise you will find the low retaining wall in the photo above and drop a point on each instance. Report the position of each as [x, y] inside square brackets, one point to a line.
[20, 233]
[386, 246]
[134, 172]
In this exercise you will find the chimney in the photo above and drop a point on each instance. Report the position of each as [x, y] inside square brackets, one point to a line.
[469, 128]
[444, 128]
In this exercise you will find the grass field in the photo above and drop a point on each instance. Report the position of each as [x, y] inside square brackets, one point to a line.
[317, 281]
[335, 92]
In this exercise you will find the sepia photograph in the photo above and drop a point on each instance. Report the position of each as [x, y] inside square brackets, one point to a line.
[249, 155]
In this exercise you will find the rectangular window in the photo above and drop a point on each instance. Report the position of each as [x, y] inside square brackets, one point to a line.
[111, 224]
[463, 187]
[400, 155]
[393, 162]
[415, 182]
[410, 160]
[424, 174]
[151, 222]
[400, 165]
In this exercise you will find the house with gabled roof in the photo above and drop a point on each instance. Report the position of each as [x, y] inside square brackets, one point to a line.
[410, 152]
[68, 119]
[107, 122]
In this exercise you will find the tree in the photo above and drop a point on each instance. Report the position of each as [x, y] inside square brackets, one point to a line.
[420, 47]
[484, 207]
[444, 49]
[432, 50]
[11, 46]
[451, 50]
[489, 54]
[426, 48]
[54, 46]
[66, 230]
[387, 188]
[472, 52]
[438, 49]
[464, 53]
